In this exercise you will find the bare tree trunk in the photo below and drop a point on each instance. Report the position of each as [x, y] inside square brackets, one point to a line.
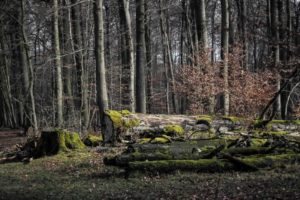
[275, 48]
[79, 61]
[59, 83]
[128, 54]
[168, 54]
[224, 53]
[102, 96]
[244, 23]
[27, 73]
[140, 57]
[68, 61]
[149, 90]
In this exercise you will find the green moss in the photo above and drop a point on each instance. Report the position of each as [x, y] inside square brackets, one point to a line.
[272, 160]
[73, 141]
[145, 140]
[174, 130]
[61, 141]
[160, 140]
[131, 123]
[297, 122]
[68, 141]
[169, 165]
[93, 140]
[116, 117]
[257, 142]
[125, 112]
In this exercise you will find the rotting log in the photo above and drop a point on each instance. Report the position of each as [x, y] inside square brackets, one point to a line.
[151, 125]
[239, 163]
[249, 150]
[202, 165]
[124, 159]
[213, 165]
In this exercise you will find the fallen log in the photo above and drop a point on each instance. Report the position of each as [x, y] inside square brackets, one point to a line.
[213, 165]
[239, 163]
[202, 165]
[149, 125]
[124, 159]
[249, 150]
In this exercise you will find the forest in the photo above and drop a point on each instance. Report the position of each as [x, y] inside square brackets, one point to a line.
[117, 99]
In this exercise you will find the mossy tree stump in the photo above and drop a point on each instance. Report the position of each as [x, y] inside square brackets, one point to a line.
[57, 141]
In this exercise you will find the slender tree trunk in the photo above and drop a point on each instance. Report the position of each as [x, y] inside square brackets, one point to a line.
[68, 61]
[102, 97]
[168, 53]
[27, 73]
[224, 53]
[128, 54]
[149, 90]
[59, 82]
[275, 47]
[244, 23]
[79, 61]
[140, 57]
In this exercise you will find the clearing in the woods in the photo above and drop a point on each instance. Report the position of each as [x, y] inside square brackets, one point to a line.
[84, 176]
[214, 158]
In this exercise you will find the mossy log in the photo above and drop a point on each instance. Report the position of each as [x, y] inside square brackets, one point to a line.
[150, 125]
[249, 150]
[240, 164]
[126, 123]
[214, 165]
[124, 159]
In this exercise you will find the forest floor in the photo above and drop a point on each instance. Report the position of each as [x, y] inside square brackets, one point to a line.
[82, 175]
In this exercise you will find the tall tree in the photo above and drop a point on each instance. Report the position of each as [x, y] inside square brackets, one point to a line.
[201, 24]
[58, 65]
[224, 53]
[167, 52]
[140, 57]
[102, 97]
[127, 56]
[79, 62]
[27, 69]
[275, 48]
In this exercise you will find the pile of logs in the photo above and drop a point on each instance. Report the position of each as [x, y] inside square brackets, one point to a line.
[202, 143]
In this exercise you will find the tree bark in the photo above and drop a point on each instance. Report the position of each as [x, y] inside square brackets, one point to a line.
[58, 65]
[102, 97]
[140, 57]
[27, 73]
[79, 61]
[128, 57]
[224, 53]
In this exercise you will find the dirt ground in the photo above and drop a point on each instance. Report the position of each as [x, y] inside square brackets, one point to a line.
[9, 138]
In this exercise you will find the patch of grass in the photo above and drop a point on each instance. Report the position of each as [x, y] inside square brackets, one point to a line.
[82, 175]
